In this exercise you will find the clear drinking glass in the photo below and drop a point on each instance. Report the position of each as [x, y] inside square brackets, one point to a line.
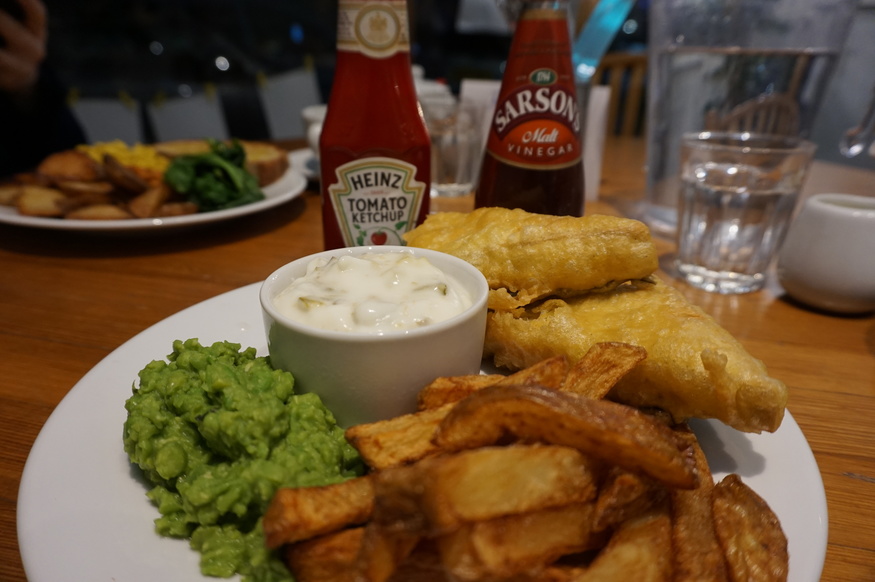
[454, 128]
[732, 65]
[737, 196]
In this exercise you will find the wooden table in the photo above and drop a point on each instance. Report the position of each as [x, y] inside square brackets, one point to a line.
[67, 300]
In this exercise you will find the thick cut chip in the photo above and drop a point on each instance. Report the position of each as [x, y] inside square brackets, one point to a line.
[422, 565]
[523, 543]
[750, 534]
[624, 495]
[596, 373]
[99, 212]
[694, 367]
[698, 556]
[123, 176]
[348, 556]
[593, 375]
[177, 209]
[296, 514]
[439, 494]
[86, 193]
[606, 430]
[9, 193]
[146, 204]
[328, 558]
[640, 550]
[69, 165]
[449, 389]
[40, 201]
[550, 373]
[382, 553]
[526, 256]
[397, 441]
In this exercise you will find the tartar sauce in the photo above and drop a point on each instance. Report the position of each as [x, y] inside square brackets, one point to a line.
[372, 293]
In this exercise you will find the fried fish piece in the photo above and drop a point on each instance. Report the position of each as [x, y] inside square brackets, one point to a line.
[694, 368]
[527, 256]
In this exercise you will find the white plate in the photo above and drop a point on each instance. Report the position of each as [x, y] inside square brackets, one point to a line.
[82, 509]
[304, 160]
[289, 186]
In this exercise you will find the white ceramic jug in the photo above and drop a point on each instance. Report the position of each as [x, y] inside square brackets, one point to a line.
[828, 258]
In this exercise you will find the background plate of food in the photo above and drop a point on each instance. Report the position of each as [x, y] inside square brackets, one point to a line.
[83, 506]
[113, 187]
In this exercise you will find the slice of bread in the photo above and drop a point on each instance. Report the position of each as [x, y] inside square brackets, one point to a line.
[265, 161]
[182, 147]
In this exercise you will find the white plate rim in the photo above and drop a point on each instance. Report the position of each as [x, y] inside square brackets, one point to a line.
[289, 186]
[88, 513]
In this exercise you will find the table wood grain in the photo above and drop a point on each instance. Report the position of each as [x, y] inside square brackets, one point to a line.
[69, 299]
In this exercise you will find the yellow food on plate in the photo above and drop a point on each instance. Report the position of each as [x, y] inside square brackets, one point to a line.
[550, 497]
[560, 285]
[134, 156]
[694, 368]
[527, 256]
[111, 180]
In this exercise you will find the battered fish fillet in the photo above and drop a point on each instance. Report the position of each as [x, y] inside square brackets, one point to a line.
[526, 256]
[694, 367]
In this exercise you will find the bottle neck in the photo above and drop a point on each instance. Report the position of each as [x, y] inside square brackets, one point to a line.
[517, 10]
[560, 5]
[377, 28]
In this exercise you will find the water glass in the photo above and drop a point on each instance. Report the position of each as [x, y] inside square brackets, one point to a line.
[732, 65]
[455, 145]
[737, 195]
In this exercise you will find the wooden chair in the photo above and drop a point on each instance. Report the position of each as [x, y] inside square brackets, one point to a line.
[626, 74]
[774, 113]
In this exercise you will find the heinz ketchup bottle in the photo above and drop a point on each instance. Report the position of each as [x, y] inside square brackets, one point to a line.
[374, 150]
[534, 154]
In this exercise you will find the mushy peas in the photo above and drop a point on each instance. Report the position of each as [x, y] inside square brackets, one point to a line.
[216, 430]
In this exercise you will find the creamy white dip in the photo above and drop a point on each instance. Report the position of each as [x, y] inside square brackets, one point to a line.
[372, 293]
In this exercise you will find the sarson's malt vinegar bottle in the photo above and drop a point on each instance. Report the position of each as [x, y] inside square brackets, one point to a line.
[374, 150]
[534, 154]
